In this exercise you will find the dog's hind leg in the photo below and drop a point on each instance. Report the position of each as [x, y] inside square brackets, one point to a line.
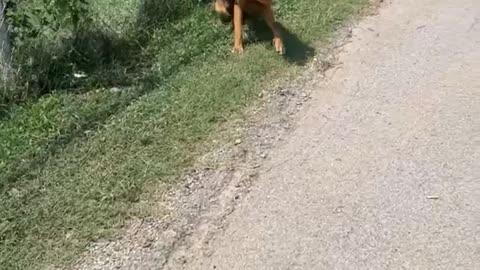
[277, 35]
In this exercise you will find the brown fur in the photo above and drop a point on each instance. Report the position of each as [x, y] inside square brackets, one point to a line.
[238, 10]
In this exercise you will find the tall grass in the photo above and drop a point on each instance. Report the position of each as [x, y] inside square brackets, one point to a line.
[52, 55]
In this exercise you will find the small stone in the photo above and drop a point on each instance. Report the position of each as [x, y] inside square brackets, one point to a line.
[115, 90]
[80, 75]
[68, 235]
[148, 243]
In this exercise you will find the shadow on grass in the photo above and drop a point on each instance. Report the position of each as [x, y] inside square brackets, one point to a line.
[109, 59]
[297, 52]
[63, 67]
[95, 57]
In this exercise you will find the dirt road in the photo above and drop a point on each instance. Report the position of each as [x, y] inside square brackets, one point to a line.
[383, 169]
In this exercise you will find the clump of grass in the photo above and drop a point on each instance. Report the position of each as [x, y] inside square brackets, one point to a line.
[79, 161]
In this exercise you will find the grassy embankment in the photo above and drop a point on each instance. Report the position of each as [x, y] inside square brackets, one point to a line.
[73, 163]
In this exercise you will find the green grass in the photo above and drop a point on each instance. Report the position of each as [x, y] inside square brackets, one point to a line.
[73, 164]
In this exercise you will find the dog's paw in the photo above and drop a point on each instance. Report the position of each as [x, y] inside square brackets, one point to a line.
[237, 49]
[279, 47]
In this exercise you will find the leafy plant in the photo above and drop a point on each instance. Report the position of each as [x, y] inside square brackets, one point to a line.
[42, 32]
[50, 19]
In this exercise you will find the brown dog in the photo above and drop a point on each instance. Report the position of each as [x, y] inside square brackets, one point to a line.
[239, 10]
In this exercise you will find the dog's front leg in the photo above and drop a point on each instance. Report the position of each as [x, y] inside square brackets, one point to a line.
[238, 31]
